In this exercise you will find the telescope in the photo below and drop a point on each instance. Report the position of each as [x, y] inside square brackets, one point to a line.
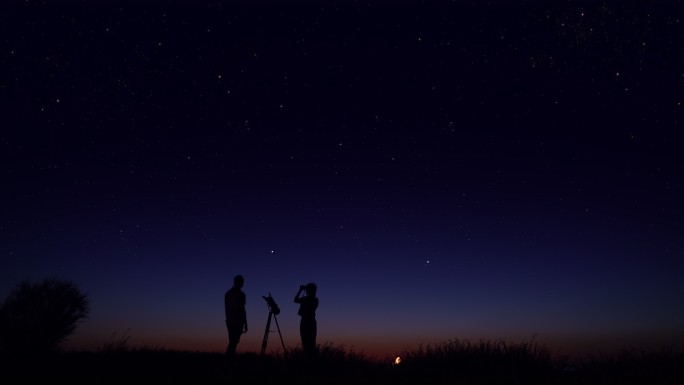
[273, 310]
[272, 305]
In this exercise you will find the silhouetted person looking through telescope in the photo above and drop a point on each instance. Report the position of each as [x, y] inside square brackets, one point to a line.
[307, 310]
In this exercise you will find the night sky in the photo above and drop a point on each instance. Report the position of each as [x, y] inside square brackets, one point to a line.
[441, 170]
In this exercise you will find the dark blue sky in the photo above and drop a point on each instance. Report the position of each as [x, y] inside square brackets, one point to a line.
[441, 169]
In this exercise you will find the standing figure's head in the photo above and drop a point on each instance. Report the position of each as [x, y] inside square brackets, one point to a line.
[311, 289]
[238, 281]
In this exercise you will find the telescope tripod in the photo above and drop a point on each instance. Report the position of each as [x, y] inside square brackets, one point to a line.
[273, 310]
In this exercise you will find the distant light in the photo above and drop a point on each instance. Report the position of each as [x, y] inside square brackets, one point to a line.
[397, 360]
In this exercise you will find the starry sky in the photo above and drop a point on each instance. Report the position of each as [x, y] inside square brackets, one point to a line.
[441, 170]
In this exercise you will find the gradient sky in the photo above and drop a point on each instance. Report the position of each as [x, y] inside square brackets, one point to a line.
[442, 170]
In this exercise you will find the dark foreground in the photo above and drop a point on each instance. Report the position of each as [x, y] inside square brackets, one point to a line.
[448, 364]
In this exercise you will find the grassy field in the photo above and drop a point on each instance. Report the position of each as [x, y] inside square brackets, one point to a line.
[452, 362]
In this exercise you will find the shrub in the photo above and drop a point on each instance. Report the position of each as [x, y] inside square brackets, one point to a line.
[36, 317]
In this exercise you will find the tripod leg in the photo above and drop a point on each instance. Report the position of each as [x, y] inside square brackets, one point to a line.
[280, 334]
[268, 329]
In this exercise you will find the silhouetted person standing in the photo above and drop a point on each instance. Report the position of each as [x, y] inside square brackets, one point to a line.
[235, 301]
[307, 310]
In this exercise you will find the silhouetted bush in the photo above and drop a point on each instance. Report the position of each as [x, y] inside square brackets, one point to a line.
[36, 317]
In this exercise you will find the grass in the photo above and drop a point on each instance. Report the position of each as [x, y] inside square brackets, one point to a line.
[451, 362]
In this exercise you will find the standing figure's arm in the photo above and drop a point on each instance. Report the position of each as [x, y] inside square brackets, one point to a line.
[297, 296]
